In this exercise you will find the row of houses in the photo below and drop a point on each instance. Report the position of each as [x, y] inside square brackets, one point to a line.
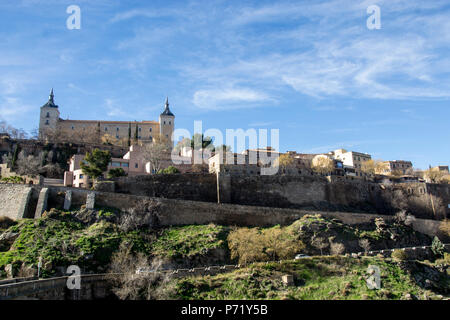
[248, 162]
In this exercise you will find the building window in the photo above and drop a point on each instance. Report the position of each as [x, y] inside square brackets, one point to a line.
[117, 129]
[164, 122]
[117, 136]
[139, 129]
[136, 165]
[170, 122]
[46, 122]
[150, 129]
[106, 129]
[81, 176]
[48, 115]
[125, 165]
[73, 128]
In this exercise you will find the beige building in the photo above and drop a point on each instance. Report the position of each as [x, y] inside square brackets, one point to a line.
[401, 167]
[352, 161]
[443, 169]
[114, 132]
[232, 163]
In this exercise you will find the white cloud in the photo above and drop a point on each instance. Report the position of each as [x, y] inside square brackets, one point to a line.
[230, 98]
[12, 108]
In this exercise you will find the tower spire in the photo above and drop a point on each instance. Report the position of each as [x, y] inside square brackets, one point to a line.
[167, 111]
[51, 96]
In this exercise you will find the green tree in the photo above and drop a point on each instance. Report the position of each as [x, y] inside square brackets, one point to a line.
[96, 163]
[437, 247]
[116, 172]
[200, 141]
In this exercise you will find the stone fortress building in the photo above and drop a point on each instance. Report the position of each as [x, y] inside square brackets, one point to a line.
[51, 125]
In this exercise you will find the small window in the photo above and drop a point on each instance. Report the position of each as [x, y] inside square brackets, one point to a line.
[117, 129]
[46, 122]
[139, 129]
[81, 176]
[73, 127]
[170, 122]
[136, 165]
[150, 129]
[106, 129]
[48, 115]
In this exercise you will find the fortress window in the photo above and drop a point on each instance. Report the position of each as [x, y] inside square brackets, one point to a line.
[139, 129]
[46, 122]
[106, 129]
[48, 115]
[117, 129]
[150, 129]
[170, 122]
[73, 128]
[136, 165]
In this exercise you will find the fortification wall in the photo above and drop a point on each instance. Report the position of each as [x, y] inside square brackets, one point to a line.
[427, 201]
[190, 186]
[17, 201]
[182, 212]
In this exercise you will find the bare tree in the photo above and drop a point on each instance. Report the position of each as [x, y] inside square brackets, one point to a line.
[372, 167]
[149, 283]
[365, 244]
[28, 165]
[319, 243]
[322, 164]
[156, 153]
[337, 248]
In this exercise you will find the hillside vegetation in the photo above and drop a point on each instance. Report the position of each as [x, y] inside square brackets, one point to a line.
[315, 278]
[91, 238]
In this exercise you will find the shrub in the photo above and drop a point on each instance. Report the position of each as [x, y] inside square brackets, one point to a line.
[399, 255]
[13, 179]
[169, 170]
[437, 247]
[444, 226]
[445, 260]
[253, 244]
[116, 172]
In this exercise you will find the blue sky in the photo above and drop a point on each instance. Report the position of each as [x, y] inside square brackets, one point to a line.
[311, 69]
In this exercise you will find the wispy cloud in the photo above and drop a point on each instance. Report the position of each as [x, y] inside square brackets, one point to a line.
[230, 98]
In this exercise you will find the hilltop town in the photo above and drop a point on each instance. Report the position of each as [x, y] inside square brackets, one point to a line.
[120, 197]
